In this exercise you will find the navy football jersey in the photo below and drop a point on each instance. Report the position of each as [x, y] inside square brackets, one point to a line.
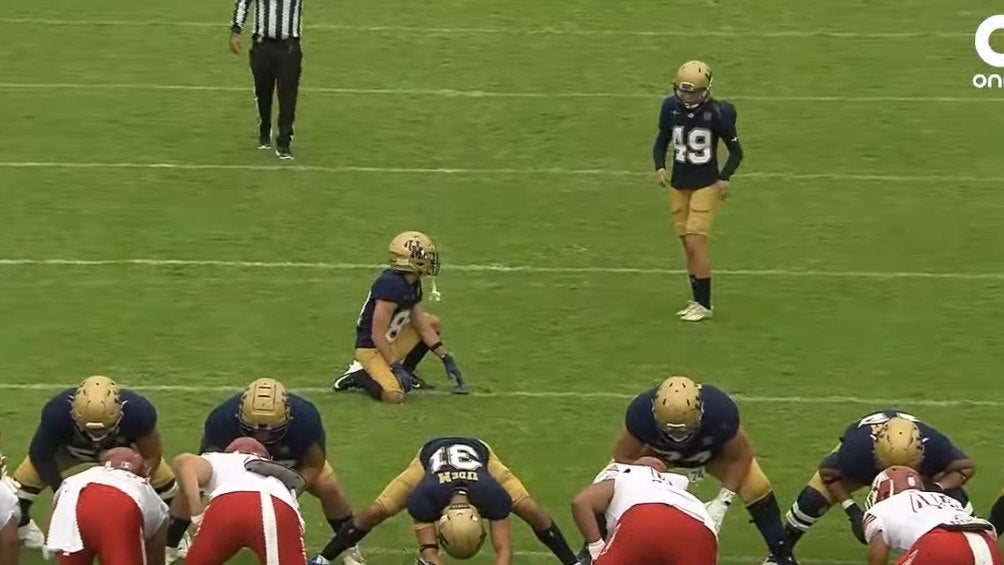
[455, 464]
[692, 136]
[390, 286]
[719, 424]
[58, 432]
[305, 430]
[856, 455]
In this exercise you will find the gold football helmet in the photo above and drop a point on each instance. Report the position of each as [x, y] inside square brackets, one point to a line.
[678, 408]
[693, 83]
[461, 531]
[264, 412]
[96, 407]
[898, 443]
[414, 252]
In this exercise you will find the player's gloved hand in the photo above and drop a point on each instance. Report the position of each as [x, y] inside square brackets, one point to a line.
[403, 376]
[719, 506]
[453, 373]
[318, 560]
[595, 549]
[857, 519]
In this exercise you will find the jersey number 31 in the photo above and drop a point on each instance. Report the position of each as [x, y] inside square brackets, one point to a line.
[695, 149]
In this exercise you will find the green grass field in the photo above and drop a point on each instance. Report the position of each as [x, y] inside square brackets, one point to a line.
[860, 255]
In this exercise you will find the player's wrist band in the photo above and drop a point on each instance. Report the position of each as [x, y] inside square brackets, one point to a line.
[435, 346]
[425, 546]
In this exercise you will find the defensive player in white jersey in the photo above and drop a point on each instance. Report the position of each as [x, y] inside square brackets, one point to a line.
[252, 504]
[650, 515]
[10, 514]
[931, 527]
[111, 513]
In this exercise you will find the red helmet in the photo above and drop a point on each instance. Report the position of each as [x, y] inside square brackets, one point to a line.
[248, 445]
[125, 458]
[893, 480]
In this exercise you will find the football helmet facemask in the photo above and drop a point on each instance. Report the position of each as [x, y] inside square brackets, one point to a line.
[692, 85]
[414, 252]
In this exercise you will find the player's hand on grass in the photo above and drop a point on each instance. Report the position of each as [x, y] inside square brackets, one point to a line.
[454, 374]
[235, 43]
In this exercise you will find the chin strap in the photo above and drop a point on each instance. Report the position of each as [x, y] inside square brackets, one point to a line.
[434, 293]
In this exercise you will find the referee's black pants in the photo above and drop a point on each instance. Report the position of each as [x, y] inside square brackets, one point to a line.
[276, 65]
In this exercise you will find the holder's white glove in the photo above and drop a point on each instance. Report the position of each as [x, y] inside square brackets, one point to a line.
[595, 549]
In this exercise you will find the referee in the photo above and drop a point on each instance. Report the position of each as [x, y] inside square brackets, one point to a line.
[276, 63]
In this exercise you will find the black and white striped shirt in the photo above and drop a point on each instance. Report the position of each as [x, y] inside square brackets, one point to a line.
[273, 19]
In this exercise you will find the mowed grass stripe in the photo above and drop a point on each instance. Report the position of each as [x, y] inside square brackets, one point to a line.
[542, 394]
[474, 93]
[542, 30]
[926, 179]
[495, 268]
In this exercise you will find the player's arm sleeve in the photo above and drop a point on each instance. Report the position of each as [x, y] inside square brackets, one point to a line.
[730, 136]
[421, 508]
[240, 15]
[46, 442]
[389, 289]
[637, 420]
[212, 437]
[661, 145]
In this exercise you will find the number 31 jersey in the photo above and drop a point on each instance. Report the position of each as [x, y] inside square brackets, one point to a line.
[693, 139]
[455, 464]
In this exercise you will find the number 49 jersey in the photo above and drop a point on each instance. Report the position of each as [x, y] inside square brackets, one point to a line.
[390, 286]
[454, 464]
[693, 136]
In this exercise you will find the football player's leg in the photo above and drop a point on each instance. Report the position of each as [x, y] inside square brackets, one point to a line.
[334, 502]
[162, 480]
[703, 204]
[679, 208]
[378, 381]
[225, 528]
[289, 534]
[811, 505]
[758, 495]
[997, 514]
[391, 501]
[30, 485]
[412, 346]
[526, 508]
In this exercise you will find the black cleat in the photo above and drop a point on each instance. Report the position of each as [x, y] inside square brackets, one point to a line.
[348, 381]
[420, 384]
[264, 139]
[283, 152]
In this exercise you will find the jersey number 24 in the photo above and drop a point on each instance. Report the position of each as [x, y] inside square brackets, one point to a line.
[695, 147]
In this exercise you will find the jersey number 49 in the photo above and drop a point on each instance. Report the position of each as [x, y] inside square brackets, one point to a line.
[694, 147]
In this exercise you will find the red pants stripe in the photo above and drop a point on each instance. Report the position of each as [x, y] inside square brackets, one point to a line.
[111, 526]
[942, 547]
[658, 534]
[234, 521]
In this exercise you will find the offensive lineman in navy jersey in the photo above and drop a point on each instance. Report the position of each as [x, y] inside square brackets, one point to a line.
[690, 124]
[450, 485]
[868, 447]
[394, 333]
[76, 427]
[697, 427]
[290, 428]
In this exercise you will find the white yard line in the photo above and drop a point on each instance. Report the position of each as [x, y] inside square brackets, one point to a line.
[454, 93]
[432, 31]
[744, 398]
[495, 268]
[927, 179]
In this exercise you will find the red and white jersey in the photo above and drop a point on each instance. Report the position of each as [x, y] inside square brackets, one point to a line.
[9, 508]
[64, 532]
[639, 484]
[229, 475]
[903, 518]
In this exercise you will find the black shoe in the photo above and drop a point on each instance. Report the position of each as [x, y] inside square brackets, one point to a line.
[283, 152]
[264, 138]
[420, 384]
[348, 381]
